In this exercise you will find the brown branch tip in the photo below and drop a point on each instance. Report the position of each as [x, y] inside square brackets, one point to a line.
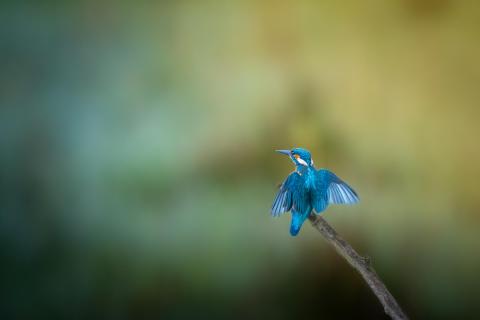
[362, 265]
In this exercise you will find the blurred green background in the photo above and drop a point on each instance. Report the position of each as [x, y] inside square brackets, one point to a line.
[137, 168]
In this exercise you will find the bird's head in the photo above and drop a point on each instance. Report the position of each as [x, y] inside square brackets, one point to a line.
[299, 156]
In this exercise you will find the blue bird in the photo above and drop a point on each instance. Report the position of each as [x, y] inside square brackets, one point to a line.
[307, 189]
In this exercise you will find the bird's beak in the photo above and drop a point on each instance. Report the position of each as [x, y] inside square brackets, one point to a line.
[286, 152]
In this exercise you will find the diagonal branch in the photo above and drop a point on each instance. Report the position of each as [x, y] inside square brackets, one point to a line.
[362, 265]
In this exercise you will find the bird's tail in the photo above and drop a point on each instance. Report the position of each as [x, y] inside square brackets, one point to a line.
[297, 222]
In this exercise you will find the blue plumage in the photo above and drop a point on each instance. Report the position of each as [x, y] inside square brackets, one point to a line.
[308, 189]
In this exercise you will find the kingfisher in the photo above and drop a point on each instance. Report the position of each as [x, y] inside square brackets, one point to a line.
[307, 189]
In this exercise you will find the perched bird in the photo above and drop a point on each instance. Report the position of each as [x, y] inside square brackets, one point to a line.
[307, 189]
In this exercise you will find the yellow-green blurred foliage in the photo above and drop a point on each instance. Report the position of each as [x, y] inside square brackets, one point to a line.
[137, 165]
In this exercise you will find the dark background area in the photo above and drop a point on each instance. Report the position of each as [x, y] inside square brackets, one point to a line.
[137, 163]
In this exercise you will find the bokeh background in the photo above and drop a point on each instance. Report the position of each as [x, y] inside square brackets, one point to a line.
[137, 166]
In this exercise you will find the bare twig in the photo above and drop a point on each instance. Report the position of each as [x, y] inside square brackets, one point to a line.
[362, 265]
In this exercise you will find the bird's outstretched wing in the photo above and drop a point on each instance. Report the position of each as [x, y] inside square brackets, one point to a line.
[288, 196]
[338, 191]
